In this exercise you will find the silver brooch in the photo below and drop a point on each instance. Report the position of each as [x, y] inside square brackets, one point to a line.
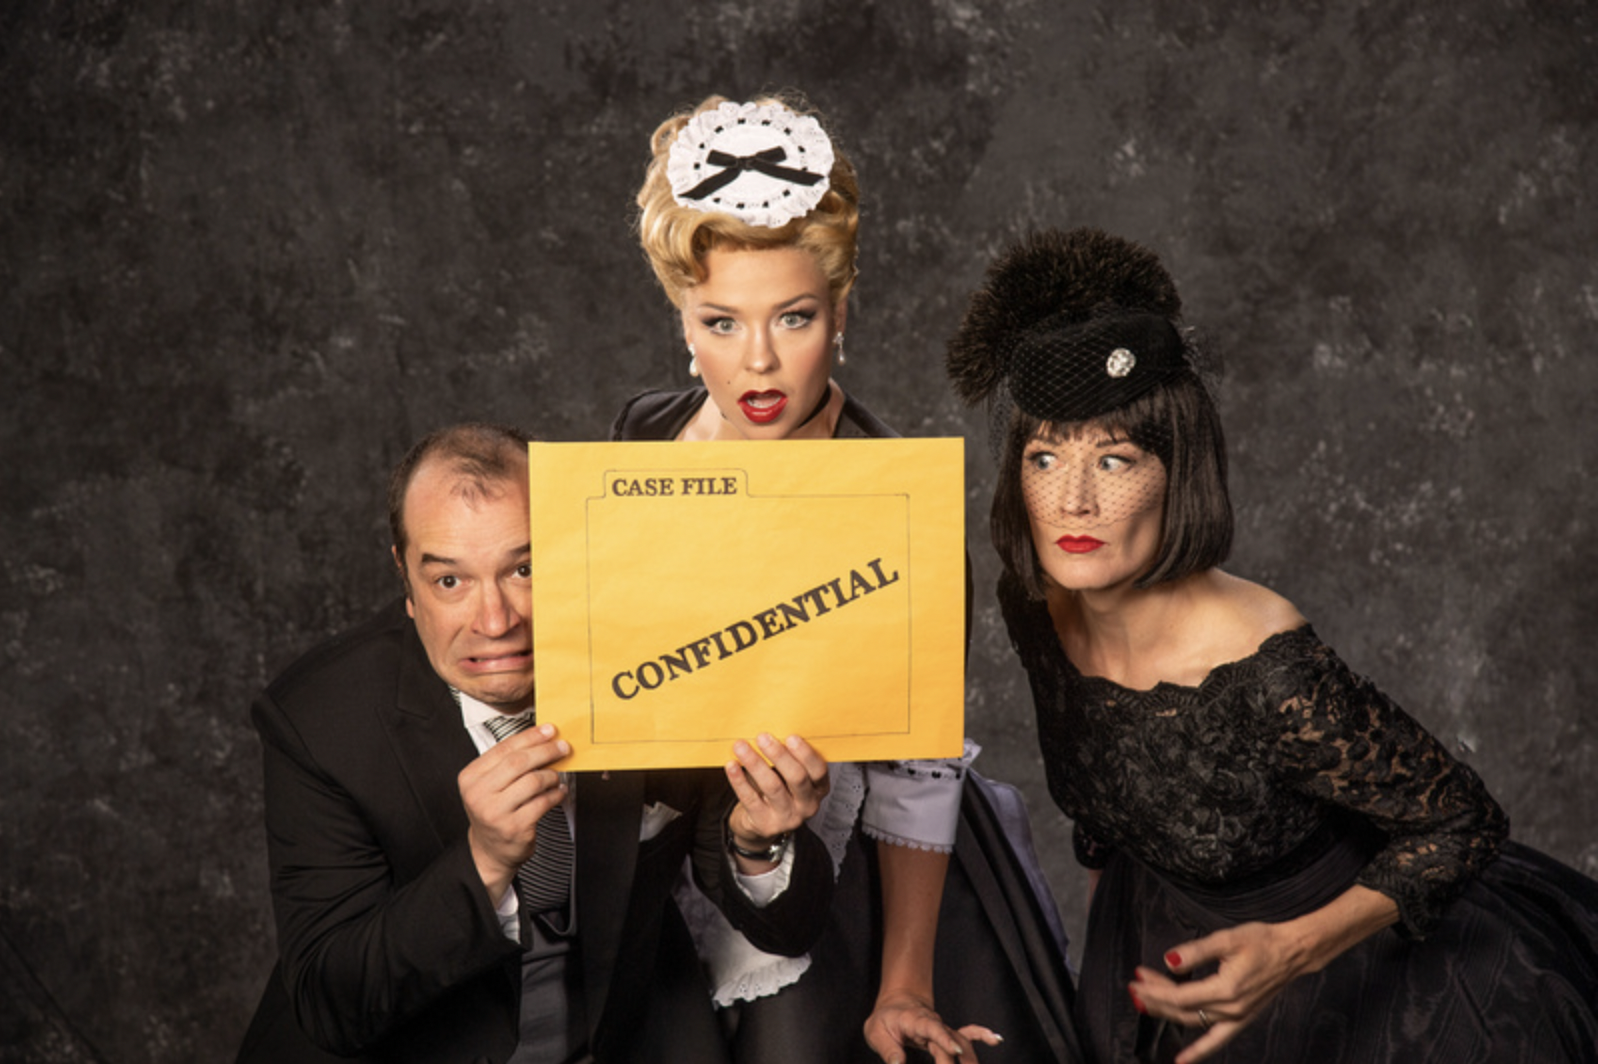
[1120, 362]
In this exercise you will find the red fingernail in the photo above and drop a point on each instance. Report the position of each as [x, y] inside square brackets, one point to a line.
[1173, 959]
[1137, 1003]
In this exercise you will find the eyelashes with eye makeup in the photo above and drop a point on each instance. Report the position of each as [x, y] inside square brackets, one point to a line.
[1109, 463]
[791, 319]
[1039, 459]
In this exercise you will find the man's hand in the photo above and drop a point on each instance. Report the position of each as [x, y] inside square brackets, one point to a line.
[777, 793]
[505, 791]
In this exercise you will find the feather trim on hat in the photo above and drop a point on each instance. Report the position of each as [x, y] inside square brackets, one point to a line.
[1068, 276]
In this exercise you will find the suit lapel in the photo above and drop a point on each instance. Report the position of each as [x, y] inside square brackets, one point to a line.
[431, 745]
[609, 814]
[429, 740]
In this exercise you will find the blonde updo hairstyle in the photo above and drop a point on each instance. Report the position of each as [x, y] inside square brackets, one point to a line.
[676, 239]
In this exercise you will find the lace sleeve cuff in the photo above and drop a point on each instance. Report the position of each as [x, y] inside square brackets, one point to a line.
[1416, 915]
[1422, 900]
[1347, 744]
[916, 803]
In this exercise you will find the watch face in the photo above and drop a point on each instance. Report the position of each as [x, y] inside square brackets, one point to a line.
[772, 853]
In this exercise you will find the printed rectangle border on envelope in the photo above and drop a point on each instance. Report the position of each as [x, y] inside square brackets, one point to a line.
[575, 604]
[741, 475]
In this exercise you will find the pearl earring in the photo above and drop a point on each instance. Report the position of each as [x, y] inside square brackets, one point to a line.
[837, 341]
[693, 361]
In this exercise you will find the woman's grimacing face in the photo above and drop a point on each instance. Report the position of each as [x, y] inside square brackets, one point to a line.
[762, 325]
[1096, 505]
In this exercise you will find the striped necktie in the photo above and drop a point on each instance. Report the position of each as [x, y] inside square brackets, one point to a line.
[544, 880]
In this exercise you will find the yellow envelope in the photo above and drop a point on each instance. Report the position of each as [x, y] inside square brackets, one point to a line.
[689, 594]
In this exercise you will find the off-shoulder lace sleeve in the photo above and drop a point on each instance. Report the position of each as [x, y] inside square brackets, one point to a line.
[1343, 741]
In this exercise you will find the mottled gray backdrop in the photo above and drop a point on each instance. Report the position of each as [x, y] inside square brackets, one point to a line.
[249, 251]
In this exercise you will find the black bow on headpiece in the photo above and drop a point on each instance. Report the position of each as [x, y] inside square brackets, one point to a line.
[764, 162]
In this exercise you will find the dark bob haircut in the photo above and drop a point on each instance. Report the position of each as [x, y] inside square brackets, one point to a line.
[1177, 422]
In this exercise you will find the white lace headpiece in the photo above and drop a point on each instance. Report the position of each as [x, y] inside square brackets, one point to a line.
[761, 163]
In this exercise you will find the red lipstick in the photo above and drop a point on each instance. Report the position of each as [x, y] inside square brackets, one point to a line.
[762, 407]
[1078, 544]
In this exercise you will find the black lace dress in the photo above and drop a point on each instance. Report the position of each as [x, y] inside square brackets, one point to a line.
[1262, 794]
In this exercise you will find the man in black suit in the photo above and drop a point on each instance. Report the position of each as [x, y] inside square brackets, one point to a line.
[398, 819]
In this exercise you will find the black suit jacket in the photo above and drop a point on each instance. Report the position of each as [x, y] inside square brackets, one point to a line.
[389, 947]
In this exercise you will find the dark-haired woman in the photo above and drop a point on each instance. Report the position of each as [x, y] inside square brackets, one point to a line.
[1290, 868]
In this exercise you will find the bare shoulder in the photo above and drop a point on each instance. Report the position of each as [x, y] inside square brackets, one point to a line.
[1242, 614]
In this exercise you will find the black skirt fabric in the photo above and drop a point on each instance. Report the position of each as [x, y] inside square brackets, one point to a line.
[1508, 976]
[1000, 955]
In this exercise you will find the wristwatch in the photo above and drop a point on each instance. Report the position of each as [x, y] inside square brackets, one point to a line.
[772, 853]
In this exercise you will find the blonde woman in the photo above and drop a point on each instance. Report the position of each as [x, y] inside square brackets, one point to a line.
[749, 216]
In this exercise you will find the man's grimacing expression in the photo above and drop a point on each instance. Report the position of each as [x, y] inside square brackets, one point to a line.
[469, 583]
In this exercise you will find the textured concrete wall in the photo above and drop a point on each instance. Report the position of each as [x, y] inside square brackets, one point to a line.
[248, 252]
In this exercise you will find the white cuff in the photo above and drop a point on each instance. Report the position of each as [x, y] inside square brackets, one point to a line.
[916, 803]
[762, 887]
[509, 910]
